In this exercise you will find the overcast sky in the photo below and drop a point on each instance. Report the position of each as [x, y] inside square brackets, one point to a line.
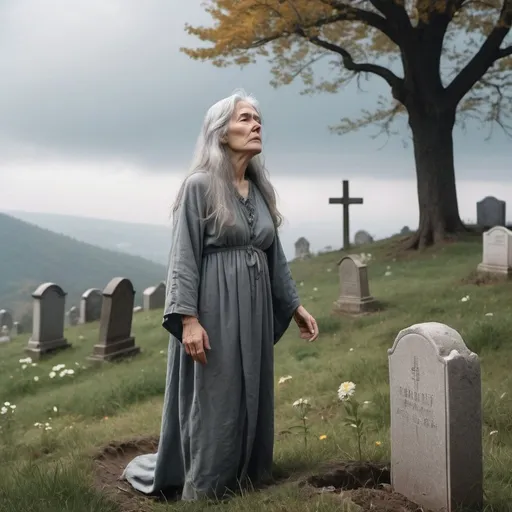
[99, 113]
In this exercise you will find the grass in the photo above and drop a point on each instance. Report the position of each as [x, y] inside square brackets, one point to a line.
[51, 470]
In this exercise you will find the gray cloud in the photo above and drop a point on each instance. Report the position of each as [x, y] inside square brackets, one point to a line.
[105, 80]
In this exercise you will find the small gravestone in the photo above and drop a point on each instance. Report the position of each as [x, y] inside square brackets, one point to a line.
[363, 237]
[354, 288]
[302, 248]
[17, 329]
[90, 306]
[6, 319]
[4, 334]
[73, 315]
[154, 297]
[497, 251]
[490, 212]
[115, 338]
[48, 321]
[436, 419]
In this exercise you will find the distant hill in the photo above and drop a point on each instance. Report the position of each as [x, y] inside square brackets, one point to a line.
[149, 241]
[30, 255]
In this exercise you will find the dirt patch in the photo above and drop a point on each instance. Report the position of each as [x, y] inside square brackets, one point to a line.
[483, 278]
[110, 462]
[367, 484]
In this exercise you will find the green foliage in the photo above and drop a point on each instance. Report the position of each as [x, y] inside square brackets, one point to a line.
[32, 255]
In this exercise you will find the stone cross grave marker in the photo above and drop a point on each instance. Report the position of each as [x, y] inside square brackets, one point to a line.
[436, 419]
[346, 201]
[90, 306]
[154, 297]
[497, 251]
[115, 338]
[6, 319]
[491, 212]
[302, 248]
[73, 315]
[48, 321]
[354, 288]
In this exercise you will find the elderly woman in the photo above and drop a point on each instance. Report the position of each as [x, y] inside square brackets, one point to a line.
[230, 298]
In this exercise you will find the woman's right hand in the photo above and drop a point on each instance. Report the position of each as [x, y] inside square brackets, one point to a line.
[195, 339]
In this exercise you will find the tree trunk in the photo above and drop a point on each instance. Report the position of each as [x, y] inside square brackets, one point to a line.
[437, 195]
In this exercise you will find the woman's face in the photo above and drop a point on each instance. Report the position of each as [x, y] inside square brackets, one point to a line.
[244, 130]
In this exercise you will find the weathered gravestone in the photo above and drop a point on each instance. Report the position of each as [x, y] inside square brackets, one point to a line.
[90, 306]
[354, 288]
[73, 315]
[436, 419]
[17, 329]
[6, 319]
[4, 334]
[115, 338]
[48, 321]
[154, 297]
[497, 251]
[362, 237]
[490, 212]
[302, 248]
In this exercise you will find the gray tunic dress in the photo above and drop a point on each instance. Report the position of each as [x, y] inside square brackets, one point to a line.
[217, 428]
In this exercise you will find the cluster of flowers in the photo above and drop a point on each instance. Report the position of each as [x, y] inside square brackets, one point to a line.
[7, 407]
[61, 370]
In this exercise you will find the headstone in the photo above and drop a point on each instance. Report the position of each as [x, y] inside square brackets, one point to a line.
[436, 419]
[490, 212]
[17, 329]
[73, 315]
[4, 334]
[115, 338]
[48, 321]
[354, 288]
[362, 237]
[90, 306]
[497, 251]
[6, 319]
[154, 297]
[137, 309]
[302, 248]
[406, 230]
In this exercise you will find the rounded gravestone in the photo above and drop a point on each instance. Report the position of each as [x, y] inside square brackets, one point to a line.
[6, 319]
[362, 237]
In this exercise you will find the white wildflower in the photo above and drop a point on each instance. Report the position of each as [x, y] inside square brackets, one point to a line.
[33, 364]
[346, 390]
[387, 273]
[351, 349]
[315, 289]
[23, 366]
[489, 314]
[366, 402]
[52, 375]
[493, 432]
[12, 406]
[503, 395]
[7, 404]
[3, 410]
[329, 270]
[353, 425]
[465, 299]
[27, 360]
[282, 380]
[55, 409]
[301, 401]
[36, 378]
[58, 367]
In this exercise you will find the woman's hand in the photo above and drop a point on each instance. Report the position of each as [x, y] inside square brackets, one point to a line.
[307, 324]
[194, 339]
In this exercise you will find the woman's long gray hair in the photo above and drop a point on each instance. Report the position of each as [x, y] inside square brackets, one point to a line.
[211, 156]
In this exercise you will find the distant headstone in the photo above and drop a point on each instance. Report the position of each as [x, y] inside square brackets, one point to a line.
[17, 329]
[406, 230]
[436, 419]
[490, 212]
[354, 288]
[137, 309]
[90, 306]
[154, 297]
[73, 315]
[6, 319]
[48, 320]
[115, 338]
[362, 237]
[302, 249]
[4, 334]
[497, 251]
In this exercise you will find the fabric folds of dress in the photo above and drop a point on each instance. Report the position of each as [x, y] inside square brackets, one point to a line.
[217, 430]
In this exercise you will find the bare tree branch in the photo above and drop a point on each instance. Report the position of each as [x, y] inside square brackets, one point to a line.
[396, 83]
[504, 52]
[489, 52]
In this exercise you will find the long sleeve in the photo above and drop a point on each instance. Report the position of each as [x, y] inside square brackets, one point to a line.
[285, 299]
[185, 259]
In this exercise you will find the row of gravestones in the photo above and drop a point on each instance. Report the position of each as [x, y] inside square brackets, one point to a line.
[89, 311]
[355, 294]
[115, 316]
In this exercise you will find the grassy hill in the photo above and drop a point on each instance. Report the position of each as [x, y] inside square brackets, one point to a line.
[31, 255]
[58, 469]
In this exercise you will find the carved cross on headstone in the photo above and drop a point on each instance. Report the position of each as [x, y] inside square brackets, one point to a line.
[346, 201]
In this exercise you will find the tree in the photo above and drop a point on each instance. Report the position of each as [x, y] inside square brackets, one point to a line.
[373, 38]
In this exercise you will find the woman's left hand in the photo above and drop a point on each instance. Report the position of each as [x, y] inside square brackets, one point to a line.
[307, 324]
